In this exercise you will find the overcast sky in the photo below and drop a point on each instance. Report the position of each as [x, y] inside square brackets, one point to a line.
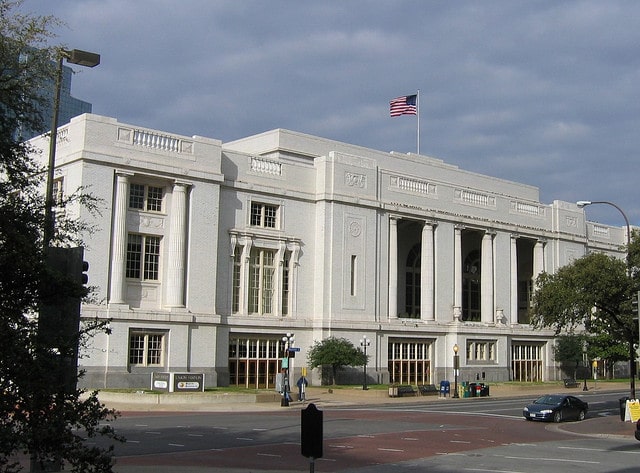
[545, 93]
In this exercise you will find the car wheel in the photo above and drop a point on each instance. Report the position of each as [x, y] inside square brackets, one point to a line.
[557, 417]
[581, 415]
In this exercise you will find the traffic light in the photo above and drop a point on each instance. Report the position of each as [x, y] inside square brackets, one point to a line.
[61, 295]
[84, 277]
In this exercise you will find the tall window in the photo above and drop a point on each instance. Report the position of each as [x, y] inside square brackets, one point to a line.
[412, 284]
[261, 281]
[146, 348]
[471, 287]
[143, 197]
[143, 257]
[264, 215]
[285, 283]
[262, 286]
[237, 265]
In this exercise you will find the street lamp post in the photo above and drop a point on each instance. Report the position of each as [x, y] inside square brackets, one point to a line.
[584, 363]
[288, 343]
[632, 357]
[456, 367]
[364, 343]
[81, 58]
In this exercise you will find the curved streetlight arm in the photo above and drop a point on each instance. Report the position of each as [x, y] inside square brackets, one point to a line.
[632, 355]
[584, 203]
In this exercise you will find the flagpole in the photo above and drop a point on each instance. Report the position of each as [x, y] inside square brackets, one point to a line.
[418, 114]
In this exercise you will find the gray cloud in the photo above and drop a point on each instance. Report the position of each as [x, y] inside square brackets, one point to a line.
[540, 92]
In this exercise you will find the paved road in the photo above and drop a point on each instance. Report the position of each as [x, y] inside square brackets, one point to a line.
[446, 436]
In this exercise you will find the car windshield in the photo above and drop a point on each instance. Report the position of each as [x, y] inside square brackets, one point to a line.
[548, 400]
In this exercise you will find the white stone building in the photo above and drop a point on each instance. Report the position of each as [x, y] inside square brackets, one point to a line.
[208, 253]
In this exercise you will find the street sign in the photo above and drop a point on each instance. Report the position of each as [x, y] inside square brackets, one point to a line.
[294, 348]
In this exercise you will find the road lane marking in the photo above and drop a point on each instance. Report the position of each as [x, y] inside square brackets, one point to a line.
[549, 459]
[390, 450]
[269, 455]
[244, 438]
[176, 445]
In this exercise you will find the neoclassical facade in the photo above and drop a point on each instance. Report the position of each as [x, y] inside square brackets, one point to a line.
[208, 253]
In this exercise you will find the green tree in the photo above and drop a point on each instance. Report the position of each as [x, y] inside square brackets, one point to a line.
[38, 415]
[336, 353]
[568, 351]
[592, 294]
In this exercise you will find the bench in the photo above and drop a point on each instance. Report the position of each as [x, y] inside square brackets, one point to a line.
[406, 390]
[426, 389]
[570, 383]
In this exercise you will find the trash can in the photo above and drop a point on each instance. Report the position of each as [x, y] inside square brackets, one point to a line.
[465, 389]
[623, 407]
[485, 390]
[472, 389]
[445, 388]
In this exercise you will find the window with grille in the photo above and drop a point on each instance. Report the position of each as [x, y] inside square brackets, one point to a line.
[254, 361]
[480, 350]
[143, 197]
[146, 349]
[264, 215]
[143, 257]
[527, 361]
[409, 361]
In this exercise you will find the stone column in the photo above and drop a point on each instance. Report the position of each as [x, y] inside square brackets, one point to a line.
[117, 292]
[486, 279]
[538, 259]
[393, 268]
[457, 274]
[176, 248]
[426, 274]
[514, 280]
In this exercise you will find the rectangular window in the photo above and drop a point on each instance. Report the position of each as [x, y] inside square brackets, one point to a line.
[143, 257]
[264, 215]
[353, 275]
[261, 281]
[146, 349]
[142, 197]
[285, 283]
[527, 362]
[480, 350]
[237, 265]
[409, 362]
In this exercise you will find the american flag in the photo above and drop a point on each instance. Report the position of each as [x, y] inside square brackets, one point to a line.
[405, 105]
